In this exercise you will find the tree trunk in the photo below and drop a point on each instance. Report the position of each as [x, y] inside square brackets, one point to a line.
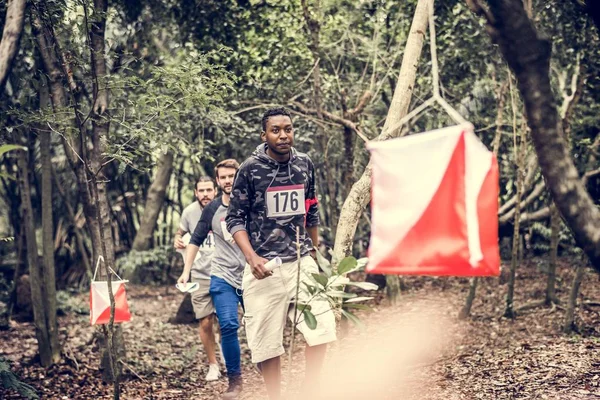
[528, 55]
[39, 300]
[47, 46]
[520, 153]
[98, 187]
[466, 310]
[360, 194]
[9, 46]
[154, 203]
[570, 313]
[49, 274]
[87, 168]
[554, 241]
[129, 221]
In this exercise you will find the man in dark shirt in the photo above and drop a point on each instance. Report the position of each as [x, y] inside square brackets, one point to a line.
[273, 196]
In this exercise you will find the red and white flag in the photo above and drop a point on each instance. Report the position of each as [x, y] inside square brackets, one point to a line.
[100, 302]
[434, 205]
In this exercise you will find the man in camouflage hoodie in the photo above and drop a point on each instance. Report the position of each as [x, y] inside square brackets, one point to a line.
[273, 196]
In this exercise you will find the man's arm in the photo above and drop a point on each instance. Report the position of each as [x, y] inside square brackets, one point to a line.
[313, 232]
[184, 227]
[198, 237]
[257, 263]
[237, 216]
[239, 202]
[178, 242]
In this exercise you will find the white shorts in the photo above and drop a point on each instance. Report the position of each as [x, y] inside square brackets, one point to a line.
[268, 301]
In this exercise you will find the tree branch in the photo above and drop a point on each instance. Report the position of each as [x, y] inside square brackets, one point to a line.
[333, 118]
[528, 55]
[362, 103]
[11, 35]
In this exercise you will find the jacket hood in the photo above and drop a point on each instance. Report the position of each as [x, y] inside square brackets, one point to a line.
[260, 153]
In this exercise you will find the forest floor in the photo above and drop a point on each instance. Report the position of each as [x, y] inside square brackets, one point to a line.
[417, 349]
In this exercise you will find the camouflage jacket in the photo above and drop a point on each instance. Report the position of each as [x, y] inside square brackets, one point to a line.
[264, 187]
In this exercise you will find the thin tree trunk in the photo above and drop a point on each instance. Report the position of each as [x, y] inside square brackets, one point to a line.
[48, 354]
[528, 55]
[554, 241]
[520, 153]
[87, 168]
[360, 194]
[129, 221]
[48, 275]
[466, 310]
[98, 184]
[569, 324]
[154, 203]
[48, 48]
[9, 46]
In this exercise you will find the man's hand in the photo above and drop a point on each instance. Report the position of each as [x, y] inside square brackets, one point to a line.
[183, 279]
[257, 264]
[179, 243]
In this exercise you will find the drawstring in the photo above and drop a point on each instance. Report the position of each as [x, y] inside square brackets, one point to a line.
[275, 176]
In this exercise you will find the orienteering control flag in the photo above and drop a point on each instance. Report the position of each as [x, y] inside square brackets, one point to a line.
[434, 205]
[100, 302]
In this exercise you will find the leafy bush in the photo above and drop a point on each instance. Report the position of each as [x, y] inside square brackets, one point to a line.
[329, 285]
[148, 266]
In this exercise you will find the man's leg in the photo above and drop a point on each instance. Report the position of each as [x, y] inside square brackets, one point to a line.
[317, 338]
[271, 372]
[314, 355]
[204, 310]
[207, 336]
[265, 304]
[226, 301]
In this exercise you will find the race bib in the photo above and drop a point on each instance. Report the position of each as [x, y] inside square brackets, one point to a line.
[284, 201]
[209, 242]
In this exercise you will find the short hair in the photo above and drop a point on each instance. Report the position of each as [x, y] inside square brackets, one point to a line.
[271, 112]
[227, 163]
[204, 178]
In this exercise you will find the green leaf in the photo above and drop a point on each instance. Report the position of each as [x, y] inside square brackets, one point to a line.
[9, 147]
[321, 279]
[310, 319]
[324, 264]
[356, 306]
[303, 307]
[363, 285]
[6, 176]
[352, 317]
[361, 263]
[358, 299]
[311, 288]
[341, 295]
[346, 265]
